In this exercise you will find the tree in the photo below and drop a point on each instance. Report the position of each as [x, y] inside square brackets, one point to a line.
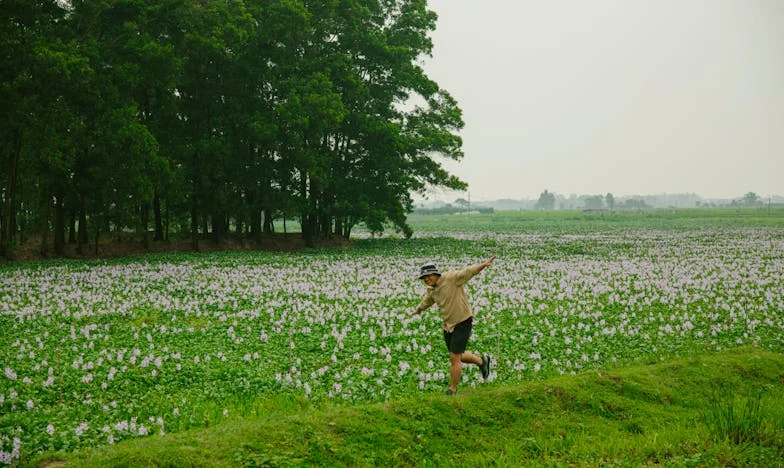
[221, 113]
[463, 203]
[42, 72]
[610, 200]
[594, 202]
[634, 204]
[751, 199]
[546, 201]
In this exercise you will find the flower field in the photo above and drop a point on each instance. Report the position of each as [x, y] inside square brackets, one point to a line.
[94, 353]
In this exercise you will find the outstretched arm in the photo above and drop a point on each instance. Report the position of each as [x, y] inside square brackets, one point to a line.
[481, 266]
[426, 302]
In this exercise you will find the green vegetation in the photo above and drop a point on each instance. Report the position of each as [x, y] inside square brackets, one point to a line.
[107, 355]
[660, 414]
[565, 221]
[201, 118]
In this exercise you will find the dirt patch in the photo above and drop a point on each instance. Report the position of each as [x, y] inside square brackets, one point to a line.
[30, 250]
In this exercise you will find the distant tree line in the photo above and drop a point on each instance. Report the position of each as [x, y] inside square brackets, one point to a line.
[549, 201]
[215, 116]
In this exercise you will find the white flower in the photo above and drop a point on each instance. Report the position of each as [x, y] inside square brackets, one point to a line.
[81, 428]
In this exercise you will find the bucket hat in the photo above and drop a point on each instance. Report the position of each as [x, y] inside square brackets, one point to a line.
[428, 270]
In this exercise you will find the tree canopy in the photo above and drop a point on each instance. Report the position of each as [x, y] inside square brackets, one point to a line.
[546, 201]
[211, 116]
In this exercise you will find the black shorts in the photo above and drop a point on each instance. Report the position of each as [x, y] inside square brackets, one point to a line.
[457, 341]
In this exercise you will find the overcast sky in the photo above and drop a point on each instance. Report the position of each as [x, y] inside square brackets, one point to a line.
[631, 97]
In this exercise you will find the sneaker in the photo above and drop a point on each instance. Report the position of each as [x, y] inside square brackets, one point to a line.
[485, 366]
[449, 391]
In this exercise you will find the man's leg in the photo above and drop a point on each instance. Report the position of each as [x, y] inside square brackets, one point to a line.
[455, 370]
[471, 358]
[456, 343]
[456, 366]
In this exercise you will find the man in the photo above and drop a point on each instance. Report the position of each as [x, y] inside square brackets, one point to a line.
[447, 291]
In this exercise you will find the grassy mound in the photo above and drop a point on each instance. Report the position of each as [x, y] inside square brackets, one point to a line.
[714, 409]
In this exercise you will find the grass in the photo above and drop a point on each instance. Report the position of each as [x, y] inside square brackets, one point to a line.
[685, 402]
[571, 222]
[681, 412]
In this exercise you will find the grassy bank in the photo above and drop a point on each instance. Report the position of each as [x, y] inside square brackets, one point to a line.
[717, 409]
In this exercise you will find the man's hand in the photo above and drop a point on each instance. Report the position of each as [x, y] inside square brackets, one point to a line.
[481, 266]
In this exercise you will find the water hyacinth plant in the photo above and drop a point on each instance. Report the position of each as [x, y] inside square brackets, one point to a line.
[94, 353]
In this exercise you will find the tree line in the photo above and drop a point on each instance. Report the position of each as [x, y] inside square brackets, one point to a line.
[547, 201]
[214, 117]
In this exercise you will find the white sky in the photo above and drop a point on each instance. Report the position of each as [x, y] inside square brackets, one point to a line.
[621, 96]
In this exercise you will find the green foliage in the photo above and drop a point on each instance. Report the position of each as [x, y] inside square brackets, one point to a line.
[572, 222]
[210, 111]
[644, 415]
[449, 210]
[570, 294]
[546, 201]
[739, 420]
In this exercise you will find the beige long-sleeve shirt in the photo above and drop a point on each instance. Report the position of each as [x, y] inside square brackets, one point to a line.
[450, 296]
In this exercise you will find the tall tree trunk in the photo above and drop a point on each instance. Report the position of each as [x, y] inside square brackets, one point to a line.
[156, 201]
[81, 237]
[72, 226]
[339, 226]
[218, 226]
[6, 224]
[97, 234]
[23, 221]
[269, 222]
[326, 226]
[144, 215]
[166, 222]
[306, 218]
[46, 209]
[15, 212]
[80, 233]
[255, 224]
[194, 227]
[59, 226]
